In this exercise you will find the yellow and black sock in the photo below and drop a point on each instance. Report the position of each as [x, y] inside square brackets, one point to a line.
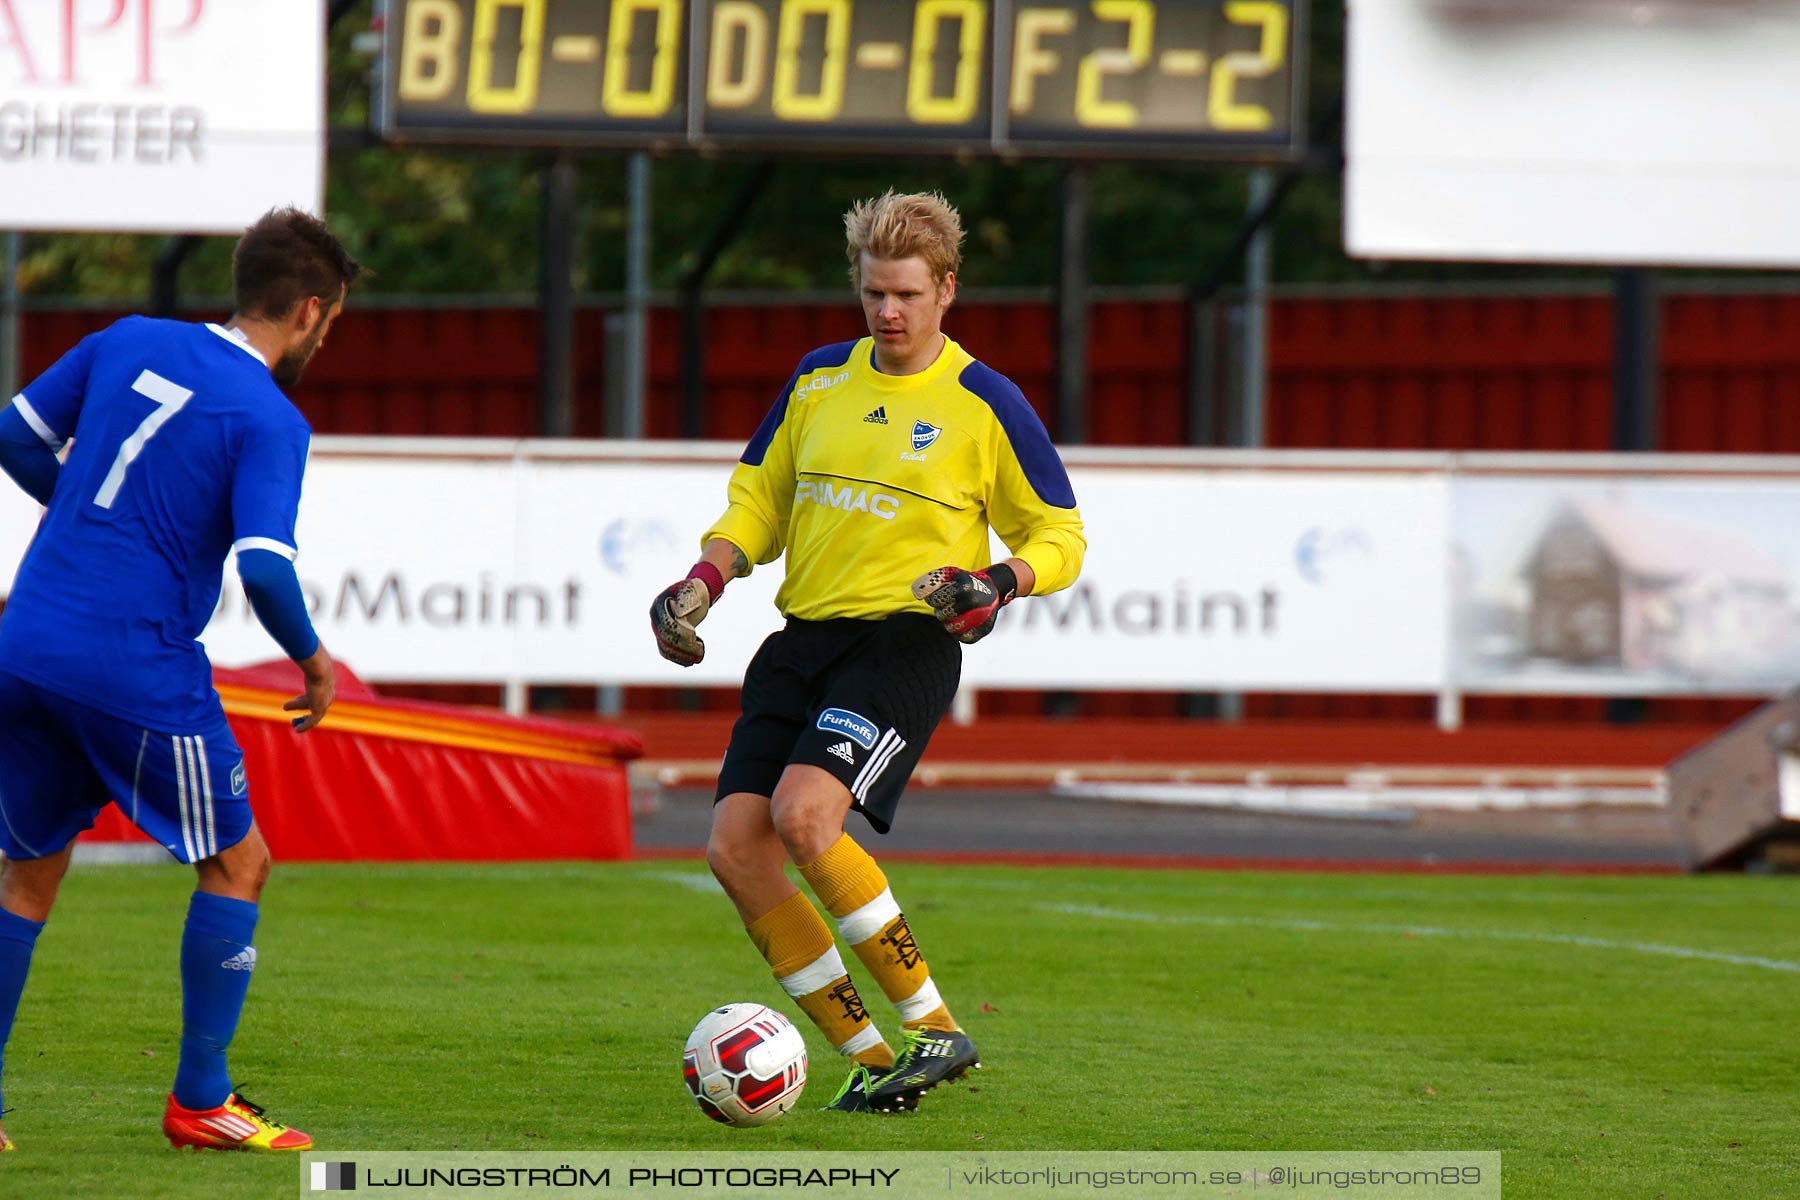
[853, 889]
[797, 943]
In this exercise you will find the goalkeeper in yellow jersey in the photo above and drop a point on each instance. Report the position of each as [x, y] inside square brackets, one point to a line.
[879, 471]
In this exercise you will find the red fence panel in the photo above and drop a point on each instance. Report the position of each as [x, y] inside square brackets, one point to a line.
[1443, 373]
[1401, 371]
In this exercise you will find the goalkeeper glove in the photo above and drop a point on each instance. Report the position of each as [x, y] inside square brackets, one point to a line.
[681, 606]
[968, 602]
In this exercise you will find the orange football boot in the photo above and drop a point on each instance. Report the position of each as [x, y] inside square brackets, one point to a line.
[236, 1124]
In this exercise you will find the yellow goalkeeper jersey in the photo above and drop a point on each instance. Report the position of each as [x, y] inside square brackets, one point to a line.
[867, 481]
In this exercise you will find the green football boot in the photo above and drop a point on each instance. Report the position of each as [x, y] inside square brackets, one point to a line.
[929, 1057]
[853, 1096]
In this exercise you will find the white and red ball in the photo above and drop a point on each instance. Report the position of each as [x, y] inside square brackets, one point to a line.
[745, 1064]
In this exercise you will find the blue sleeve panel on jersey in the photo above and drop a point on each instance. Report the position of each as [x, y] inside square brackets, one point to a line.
[1031, 505]
[758, 445]
[54, 398]
[835, 355]
[266, 479]
[1030, 440]
[26, 457]
[278, 602]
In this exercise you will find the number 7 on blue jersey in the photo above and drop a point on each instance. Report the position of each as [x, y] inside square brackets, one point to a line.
[169, 398]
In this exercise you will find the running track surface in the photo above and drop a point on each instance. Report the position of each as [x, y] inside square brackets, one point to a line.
[1035, 827]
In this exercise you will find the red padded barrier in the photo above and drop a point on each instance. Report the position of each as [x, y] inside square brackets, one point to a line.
[391, 780]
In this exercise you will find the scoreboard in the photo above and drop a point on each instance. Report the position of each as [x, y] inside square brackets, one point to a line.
[1075, 78]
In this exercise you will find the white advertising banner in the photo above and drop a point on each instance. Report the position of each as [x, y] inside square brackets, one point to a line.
[1629, 586]
[542, 570]
[1597, 131]
[1201, 580]
[182, 116]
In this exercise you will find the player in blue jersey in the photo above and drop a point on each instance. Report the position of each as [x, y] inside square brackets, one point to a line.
[180, 449]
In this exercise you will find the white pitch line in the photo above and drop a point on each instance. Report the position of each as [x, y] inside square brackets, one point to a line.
[1536, 896]
[686, 879]
[1498, 935]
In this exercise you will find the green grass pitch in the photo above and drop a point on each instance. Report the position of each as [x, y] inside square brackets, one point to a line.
[1629, 1037]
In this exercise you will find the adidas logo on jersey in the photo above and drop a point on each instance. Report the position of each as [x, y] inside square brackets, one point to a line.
[843, 751]
[878, 417]
[243, 960]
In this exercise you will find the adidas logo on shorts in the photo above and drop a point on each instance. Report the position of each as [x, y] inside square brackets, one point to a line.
[878, 417]
[844, 751]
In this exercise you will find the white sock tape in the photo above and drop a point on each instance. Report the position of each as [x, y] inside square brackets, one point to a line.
[866, 1037]
[924, 1000]
[869, 920]
[823, 971]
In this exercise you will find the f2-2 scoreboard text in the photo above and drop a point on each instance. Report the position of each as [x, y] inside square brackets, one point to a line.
[1162, 78]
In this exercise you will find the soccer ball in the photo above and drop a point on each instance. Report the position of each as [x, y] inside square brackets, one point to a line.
[744, 1064]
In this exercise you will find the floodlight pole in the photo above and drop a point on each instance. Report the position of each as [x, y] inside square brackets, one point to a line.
[637, 299]
[1636, 423]
[1252, 398]
[693, 294]
[1072, 309]
[1241, 423]
[1269, 191]
[628, 346]
[556, 299]
[1247, 426]
[9, 320]
[165, 274]
[1636, 342]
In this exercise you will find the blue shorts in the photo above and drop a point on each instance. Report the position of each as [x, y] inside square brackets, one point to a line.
[61, 762]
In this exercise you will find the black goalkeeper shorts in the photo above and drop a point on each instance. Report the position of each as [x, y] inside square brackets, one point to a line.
[857, 698]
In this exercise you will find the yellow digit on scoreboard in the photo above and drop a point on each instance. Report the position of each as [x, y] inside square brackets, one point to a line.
[734, 81]
[791, 104]
[922, 105]
[1222, 107]
[617, 97]
[1096, 66]
[484, 97]
[431, 36]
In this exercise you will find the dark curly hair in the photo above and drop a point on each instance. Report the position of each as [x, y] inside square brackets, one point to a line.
[285, 257]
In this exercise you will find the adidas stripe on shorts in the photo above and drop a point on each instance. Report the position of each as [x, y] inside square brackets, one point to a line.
[61, 762]
[857, 698]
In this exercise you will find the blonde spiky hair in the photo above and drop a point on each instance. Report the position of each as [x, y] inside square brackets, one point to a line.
[895, 225]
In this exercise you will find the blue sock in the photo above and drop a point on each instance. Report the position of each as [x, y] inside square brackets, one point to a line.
[17, 937]
[216, 961]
